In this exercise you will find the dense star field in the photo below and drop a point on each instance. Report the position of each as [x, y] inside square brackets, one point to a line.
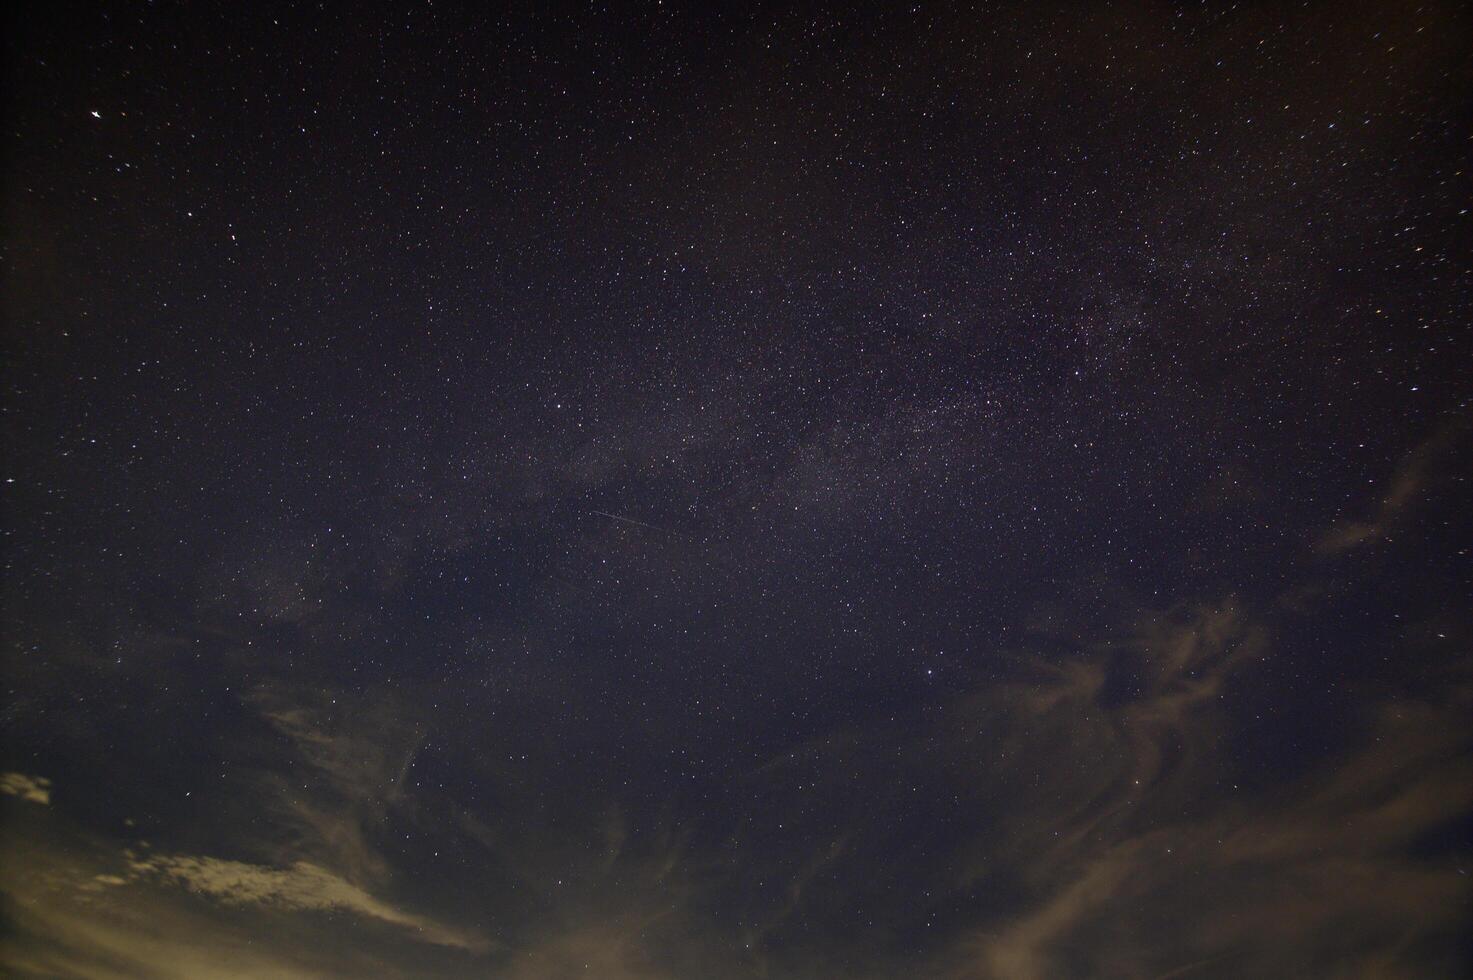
[670, 490]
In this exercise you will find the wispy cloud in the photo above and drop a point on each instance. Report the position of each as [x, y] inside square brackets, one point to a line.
[82, 906]
[303, 887]
[1406, 485]
[1309, 884]
[349, 757]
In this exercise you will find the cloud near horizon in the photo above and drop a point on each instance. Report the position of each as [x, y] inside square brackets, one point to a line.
[32, 789]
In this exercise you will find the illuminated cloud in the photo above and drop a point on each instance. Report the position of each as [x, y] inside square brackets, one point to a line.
[302, 886]
[1125, 834]
[1308, 884]
[32, 789]
[119, 911]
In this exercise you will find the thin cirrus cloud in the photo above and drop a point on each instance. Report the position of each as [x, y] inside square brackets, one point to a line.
[1247, 887]
[1256, 883]
[1407, 485]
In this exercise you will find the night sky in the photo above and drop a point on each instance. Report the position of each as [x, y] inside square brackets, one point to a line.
[662, 491]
